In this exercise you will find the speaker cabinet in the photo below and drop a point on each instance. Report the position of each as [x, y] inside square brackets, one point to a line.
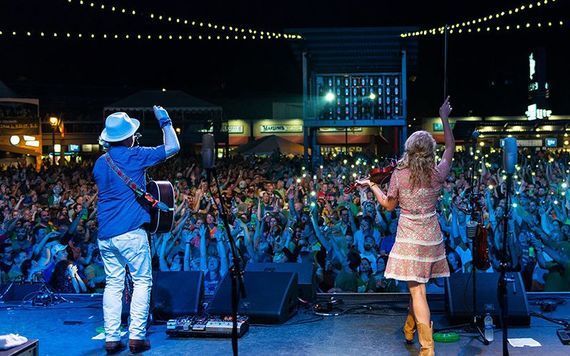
[459, 297]
[305, 275]
[176, 294]
[271, 297]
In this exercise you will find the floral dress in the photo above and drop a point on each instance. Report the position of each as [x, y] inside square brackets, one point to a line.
[419, 251]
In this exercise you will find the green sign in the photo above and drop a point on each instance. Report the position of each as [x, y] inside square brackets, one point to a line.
[438, 126]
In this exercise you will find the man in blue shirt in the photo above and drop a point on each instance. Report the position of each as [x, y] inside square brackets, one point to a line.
[121, 236]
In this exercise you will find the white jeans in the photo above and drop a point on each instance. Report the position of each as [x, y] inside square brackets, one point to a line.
[130, 249]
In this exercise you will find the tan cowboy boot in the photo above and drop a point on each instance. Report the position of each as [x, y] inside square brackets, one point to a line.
[426, 339]
[409, 329]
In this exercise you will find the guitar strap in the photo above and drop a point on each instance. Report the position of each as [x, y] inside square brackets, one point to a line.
[139, 192]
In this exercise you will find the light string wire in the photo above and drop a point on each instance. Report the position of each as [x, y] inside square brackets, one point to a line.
[124, 36]
[201, 25]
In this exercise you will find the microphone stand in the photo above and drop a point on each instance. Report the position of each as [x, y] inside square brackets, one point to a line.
[474, 203]
[235, 271]
[503, 266]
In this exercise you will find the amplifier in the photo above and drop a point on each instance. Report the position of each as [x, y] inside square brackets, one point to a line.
[205, 326]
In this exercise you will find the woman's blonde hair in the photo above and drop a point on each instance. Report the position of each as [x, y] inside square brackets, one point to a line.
[419, 158]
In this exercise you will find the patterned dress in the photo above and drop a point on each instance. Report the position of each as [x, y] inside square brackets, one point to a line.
[419, 251]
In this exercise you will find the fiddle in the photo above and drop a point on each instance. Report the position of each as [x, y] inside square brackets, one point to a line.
[378, 175]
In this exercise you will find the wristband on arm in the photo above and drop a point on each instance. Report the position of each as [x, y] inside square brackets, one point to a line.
[165, 122]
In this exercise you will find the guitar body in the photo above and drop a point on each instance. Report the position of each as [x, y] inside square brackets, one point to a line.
[161, 221]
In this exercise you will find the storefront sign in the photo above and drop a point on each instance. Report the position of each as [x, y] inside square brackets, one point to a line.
[235, 129]
[19, 119]
[277, 128]
[525, 143]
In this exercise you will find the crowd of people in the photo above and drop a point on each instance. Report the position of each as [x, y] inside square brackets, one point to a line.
[284, 211]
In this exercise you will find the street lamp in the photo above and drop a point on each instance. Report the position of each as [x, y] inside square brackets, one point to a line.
[54, 122]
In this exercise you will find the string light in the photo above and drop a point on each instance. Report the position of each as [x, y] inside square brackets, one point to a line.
[525, 26]
[127, 36]
[200, 25]
[471, 22]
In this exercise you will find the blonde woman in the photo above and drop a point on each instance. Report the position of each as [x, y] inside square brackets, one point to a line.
[419, 251]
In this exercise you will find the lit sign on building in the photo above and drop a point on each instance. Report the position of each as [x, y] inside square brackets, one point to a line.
[551, 142]
[281, 128]
[532, 66]
[235, 129]
[534, 113]
[438, 126]
[525, 143]
[538, 90]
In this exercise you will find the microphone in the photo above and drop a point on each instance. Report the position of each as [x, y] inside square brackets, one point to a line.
[208, 151]
[509, 154]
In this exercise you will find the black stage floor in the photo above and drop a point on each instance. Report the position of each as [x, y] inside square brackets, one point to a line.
[67, 329]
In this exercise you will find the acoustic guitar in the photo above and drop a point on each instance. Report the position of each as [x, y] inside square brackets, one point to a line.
[161, 220]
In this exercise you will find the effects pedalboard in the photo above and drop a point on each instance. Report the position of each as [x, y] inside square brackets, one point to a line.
[205, 326]
[564, 336]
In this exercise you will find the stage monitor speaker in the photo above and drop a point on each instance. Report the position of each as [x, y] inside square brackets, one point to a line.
[271, 297]
[176, 294]
[305, 275]
[173, 294]
[459, 297]
[19, 292]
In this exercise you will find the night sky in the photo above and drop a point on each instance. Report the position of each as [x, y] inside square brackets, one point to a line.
[487, 73]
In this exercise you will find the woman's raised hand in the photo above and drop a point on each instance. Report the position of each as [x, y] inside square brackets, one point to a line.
[445, 109]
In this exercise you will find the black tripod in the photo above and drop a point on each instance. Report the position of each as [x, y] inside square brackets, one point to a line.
[235, 269]
[472, 232]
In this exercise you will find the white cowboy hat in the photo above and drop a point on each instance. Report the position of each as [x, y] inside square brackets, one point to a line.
[119, 126]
